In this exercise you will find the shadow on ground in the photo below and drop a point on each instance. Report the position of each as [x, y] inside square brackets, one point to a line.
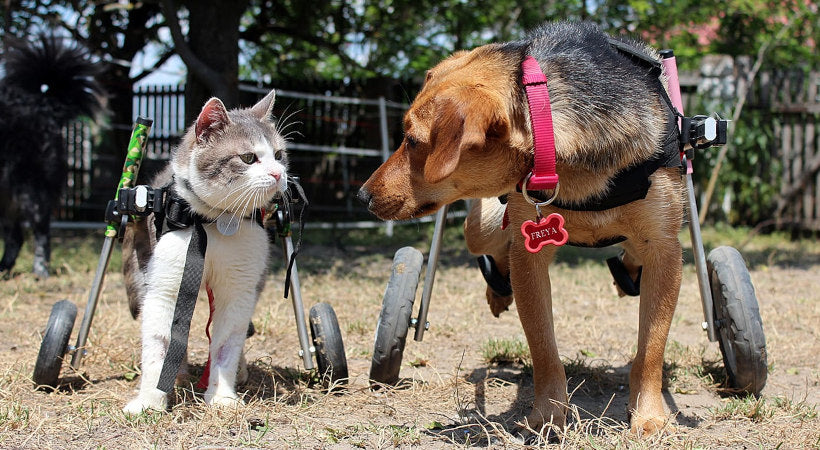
[599, 396]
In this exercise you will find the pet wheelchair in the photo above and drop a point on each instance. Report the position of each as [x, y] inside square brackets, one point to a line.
[129, 203]
[730, 307]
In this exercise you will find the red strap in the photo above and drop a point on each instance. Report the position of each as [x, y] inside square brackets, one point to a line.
[538, 98]
[206, 374]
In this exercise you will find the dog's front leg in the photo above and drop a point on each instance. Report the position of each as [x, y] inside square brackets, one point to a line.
[12, 243]
[531, 286]
[660, 286]
[41, 220]
[484, 236]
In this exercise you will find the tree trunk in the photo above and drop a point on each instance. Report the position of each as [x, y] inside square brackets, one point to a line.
[213, 38]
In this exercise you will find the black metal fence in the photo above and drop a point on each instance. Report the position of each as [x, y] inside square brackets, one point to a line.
[335, 142]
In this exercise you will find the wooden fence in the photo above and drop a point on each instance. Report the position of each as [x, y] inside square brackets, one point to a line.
[795, 102]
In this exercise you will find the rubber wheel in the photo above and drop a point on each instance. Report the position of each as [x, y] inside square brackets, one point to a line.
[327, 340]
[738, 322]
[492, 276]
[55, 344]
[621, 276]
[394, 320]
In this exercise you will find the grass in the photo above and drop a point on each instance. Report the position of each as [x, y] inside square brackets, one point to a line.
[468, 384]
[506, 351]
[760, 409]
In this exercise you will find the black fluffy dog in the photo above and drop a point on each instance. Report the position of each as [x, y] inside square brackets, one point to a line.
[47, 84]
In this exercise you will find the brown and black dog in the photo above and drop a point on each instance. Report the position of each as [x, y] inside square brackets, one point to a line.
[468, 135]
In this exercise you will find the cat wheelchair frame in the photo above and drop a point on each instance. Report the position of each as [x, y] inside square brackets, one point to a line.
[327, 345]
[730, 307]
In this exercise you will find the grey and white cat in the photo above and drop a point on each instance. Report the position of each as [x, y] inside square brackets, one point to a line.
[228, 165]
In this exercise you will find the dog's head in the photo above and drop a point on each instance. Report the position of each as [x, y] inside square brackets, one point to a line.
[457, 139]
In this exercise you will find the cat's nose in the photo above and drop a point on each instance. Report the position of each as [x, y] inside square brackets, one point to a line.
[276, 174]
[364, 195]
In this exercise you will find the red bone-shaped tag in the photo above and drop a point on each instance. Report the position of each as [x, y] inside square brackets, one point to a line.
[548, 230]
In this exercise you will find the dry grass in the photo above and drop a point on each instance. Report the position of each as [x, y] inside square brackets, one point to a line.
[449, 395]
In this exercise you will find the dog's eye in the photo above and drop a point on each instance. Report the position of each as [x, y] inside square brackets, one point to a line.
[411, 141]
[248, 158]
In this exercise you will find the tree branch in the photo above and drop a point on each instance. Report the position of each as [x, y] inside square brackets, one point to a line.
[162, 60]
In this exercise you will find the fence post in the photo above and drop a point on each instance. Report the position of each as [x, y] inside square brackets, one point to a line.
[388, 226]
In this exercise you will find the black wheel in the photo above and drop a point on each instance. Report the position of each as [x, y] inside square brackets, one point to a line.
[492, 276]
[327, 340]
[394, 320]
[621, 276]
[737, 319]
[55, 344]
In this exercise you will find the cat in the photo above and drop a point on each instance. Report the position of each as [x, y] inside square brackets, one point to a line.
[229, 165]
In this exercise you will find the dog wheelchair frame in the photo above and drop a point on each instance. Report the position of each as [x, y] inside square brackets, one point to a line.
[131, 201]
[730, 307]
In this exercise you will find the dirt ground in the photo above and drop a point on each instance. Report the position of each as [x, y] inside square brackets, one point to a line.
[449, 395]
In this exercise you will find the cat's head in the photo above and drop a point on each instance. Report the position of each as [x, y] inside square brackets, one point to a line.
[231, 162]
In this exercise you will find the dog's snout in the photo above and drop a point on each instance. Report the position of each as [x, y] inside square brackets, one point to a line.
[364, 195]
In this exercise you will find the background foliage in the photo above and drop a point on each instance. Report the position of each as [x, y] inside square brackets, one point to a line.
[367, 39]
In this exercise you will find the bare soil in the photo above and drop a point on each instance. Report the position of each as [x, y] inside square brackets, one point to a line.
[449, 395]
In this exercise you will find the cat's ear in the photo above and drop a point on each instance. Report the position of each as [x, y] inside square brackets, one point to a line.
[212, 119]
[263, 109]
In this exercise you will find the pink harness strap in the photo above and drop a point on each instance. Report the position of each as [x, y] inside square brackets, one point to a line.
[538, 97]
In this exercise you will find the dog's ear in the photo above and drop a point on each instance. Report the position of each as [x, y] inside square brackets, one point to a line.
[462, 124]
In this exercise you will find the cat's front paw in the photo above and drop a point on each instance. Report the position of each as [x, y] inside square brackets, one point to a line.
[157, 401]
[223, 400]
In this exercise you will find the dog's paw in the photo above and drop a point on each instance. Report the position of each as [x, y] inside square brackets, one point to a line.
[641, 425]
[156, 401]
[41, 272]
[498, 304]
[535, 431]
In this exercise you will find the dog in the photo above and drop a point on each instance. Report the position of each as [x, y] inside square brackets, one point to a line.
[468, 135]
[48, 83]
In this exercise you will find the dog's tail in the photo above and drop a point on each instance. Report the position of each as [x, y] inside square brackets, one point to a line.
[61, 72]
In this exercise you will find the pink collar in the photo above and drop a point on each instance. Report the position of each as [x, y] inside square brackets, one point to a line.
[543, 174]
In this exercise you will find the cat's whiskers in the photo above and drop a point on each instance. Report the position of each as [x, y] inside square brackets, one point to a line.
[252, 197]
[228, 196]
[247, 191]
[281, 129]
[244, 200]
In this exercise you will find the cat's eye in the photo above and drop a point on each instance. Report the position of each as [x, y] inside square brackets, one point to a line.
[248, 158]
[278, 155]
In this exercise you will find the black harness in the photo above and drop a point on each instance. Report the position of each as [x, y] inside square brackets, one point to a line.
[172, 213]
[177, 215]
